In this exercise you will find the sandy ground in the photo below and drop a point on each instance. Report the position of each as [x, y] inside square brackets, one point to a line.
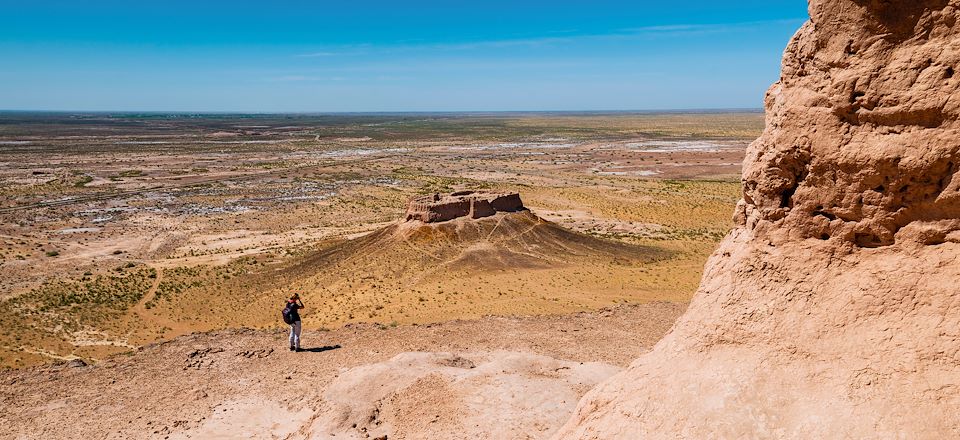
[246, 384]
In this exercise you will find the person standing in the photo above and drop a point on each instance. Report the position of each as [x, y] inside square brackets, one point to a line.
[291, 315]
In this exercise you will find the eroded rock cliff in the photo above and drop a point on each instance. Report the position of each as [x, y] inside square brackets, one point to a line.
[832, 310]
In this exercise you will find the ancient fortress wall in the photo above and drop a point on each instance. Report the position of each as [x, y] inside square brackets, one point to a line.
[474, 204]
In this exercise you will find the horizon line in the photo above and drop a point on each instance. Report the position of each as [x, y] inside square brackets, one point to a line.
[387, 112]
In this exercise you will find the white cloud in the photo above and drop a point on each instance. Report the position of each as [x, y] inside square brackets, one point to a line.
[305, 78]
[619, 34]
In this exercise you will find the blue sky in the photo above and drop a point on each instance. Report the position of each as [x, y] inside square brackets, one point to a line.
[328, 56]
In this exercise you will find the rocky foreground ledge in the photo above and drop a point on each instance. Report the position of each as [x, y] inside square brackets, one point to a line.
[495, 377]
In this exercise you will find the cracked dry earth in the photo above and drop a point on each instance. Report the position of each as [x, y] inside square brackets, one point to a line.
[495, 377]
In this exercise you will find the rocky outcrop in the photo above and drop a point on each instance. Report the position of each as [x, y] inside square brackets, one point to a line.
[499, 395]
[861, 145]
[832, 310]
[474, 204]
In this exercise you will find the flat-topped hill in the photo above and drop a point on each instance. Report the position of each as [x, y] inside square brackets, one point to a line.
[505, 263]
[508, 263]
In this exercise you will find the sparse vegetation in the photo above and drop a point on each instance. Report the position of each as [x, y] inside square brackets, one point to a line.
[240, 222]
[83, 181]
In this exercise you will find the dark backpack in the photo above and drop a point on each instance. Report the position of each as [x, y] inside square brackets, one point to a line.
[288, 312]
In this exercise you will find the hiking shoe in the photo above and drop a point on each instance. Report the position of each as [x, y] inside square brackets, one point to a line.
[293, 348]
[298, 349]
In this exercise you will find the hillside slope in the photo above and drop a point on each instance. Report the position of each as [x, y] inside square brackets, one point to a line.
[509, 263]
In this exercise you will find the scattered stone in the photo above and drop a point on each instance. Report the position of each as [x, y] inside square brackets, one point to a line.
[197, 359]
[458, 362]
[259, 354]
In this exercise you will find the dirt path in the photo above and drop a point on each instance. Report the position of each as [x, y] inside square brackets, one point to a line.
[141, 306]
[46, 353]
[152, 319]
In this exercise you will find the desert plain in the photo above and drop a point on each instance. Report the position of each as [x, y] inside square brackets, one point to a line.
[127, 239]
[121, 230]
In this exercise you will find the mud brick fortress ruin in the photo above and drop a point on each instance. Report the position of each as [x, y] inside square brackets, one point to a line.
[474, 204]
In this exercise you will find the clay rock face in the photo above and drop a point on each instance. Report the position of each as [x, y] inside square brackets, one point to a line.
[832, 310]
[474, 204]
[861, 144]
